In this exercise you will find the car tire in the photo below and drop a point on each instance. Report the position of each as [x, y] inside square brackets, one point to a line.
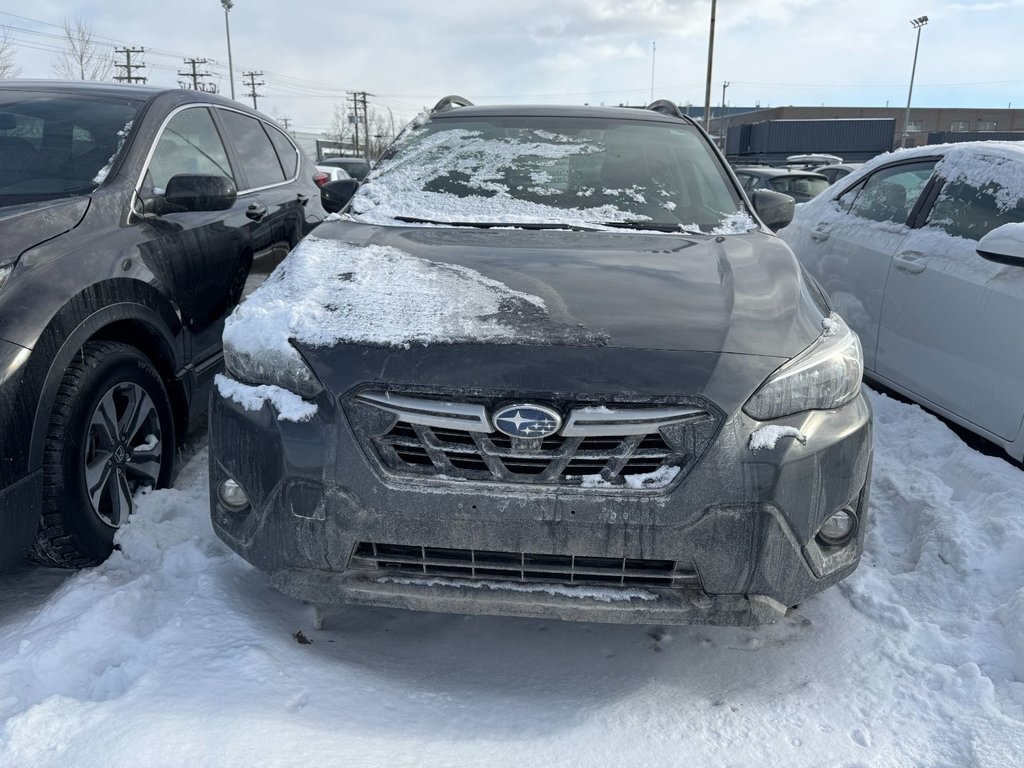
[111, 432]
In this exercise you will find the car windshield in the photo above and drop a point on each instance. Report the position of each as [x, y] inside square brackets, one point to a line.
[552, 172]
[58, 145]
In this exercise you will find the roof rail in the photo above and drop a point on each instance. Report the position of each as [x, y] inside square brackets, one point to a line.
[450, 102]
[666, 107]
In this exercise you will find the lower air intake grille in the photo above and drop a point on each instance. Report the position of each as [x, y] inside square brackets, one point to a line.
[520, 566]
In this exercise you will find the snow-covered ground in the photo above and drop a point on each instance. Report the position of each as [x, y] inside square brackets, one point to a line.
[176, 653]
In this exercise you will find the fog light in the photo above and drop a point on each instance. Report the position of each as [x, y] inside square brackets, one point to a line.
[232, 496]
[838, 528]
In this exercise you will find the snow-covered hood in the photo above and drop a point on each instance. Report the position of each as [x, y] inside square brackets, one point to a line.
[554, 309]
[740, 294]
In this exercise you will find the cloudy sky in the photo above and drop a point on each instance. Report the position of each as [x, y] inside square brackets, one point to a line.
[409, 53]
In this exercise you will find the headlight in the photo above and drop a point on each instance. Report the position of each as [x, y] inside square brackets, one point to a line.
[825, 375]
[272, 367]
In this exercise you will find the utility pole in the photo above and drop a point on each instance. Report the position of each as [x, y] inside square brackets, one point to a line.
[286, 123]
[128, 77]
[366, 124]
[354, 118]
[653, 50]
[253, 85]
[196, 76]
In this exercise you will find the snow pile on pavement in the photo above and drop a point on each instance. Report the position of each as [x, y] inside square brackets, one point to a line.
[177, 653]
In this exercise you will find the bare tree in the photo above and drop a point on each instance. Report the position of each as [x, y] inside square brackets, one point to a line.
[341, 127]
[8, 65]
[83, 57]
[382, 132]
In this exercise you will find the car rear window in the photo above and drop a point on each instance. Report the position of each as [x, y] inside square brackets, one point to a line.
[56, 145]
[554, 170]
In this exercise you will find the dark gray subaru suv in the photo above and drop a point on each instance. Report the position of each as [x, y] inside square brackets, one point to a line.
[547, 362]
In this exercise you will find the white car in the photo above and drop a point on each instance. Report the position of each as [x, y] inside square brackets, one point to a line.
[333, 172]
[922, 253]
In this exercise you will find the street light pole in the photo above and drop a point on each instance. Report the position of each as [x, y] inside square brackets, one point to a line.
[228, 5]
[707, 88]
[917, 23]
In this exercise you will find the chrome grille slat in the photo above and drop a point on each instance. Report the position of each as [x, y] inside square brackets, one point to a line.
[426, 436]
[520, 566]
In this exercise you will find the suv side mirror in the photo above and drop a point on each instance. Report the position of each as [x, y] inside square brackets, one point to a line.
[201, 192]
[334, 195]
[1004, 245]
[773, 208]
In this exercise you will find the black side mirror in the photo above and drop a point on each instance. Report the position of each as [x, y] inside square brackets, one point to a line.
[773, 208]
[201, 192]
[334, 195]
[1004, 245]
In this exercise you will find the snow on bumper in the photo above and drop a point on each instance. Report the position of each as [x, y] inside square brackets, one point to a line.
[742, 522]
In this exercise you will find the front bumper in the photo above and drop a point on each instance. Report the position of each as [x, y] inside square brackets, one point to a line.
[743, 521]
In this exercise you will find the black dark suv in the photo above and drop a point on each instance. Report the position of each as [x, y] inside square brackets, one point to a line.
[131, 221]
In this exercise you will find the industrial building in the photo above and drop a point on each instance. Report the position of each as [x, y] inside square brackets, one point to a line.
[856, 133]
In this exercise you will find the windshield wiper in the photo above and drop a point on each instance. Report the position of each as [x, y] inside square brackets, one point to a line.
[493, 224]
[651, 226]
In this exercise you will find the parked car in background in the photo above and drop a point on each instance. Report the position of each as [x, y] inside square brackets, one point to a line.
[331, 173]
[837, 171]
[131, 221]
[548, 363]
[357, 167]
[800, 185]
[922, 252]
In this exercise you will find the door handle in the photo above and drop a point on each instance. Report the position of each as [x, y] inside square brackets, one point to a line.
[908, 262]
[819, 235]
[302, 198]
[256, 211]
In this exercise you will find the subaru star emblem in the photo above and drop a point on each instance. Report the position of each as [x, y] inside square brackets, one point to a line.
[527, 421]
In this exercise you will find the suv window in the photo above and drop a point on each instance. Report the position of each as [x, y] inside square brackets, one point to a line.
[255, 151]
[889, 194]
[189, 143]
[286, 152]
[55, 145]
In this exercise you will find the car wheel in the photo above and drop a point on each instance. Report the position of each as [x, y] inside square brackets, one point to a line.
[111, 433]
